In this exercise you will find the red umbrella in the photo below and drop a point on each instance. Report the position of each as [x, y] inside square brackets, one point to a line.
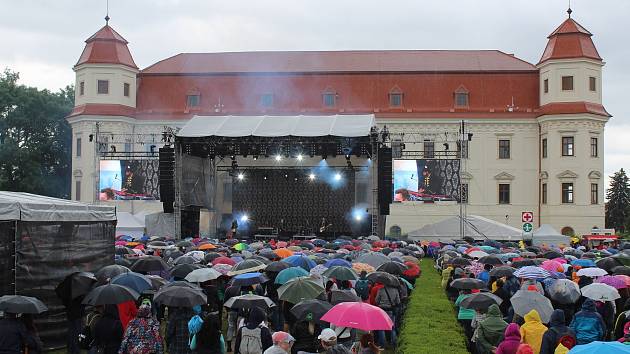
[413, 270]
[223, 260]
[359, 315]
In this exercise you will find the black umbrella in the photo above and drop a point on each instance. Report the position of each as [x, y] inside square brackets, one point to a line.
[108, 272]
[260, 258]
[110, 294]
[310, 310]
[392, 268]
[589, 255]
[493, 260]
[468, 283]
[608, 263]
[149, 264]
[307, 245]
[459, 261]
[621, 270]
[269, 254]
[480, 301]
[523, 263]
[182, 270]
[339, 296]
[75, 285]
[123, 262]
[249, 301]
[185, 244]
[534, 249]
[21, 304]
[502, 271]
[122, 251]
[383, 278]
[552, 255]
[276, 267]
[185, 260]
[181, 284]
[180, 296]
[211, 256]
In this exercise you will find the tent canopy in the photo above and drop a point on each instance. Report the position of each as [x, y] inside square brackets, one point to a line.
[31, 207]
[475, 226]
[548, 235]
[129, 224]
[272, 126]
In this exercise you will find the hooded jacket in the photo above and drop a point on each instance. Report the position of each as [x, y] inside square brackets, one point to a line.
[490, 331]
[511, 341]
[142, 335]
[621, 320]
[446, 273]
[587, 324]
[532, 330]
[557, 330]
[255, 319]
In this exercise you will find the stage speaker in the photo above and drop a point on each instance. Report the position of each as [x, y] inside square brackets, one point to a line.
[385, 186]
[190, 222]
[167, 178]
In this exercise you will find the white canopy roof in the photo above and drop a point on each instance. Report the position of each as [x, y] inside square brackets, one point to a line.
[475, 226]
[548, 235]
[270, 126]
[31, 207]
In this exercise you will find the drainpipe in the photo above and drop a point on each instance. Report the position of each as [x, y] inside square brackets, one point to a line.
[539, 170]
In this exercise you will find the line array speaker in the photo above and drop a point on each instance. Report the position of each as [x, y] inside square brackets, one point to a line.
[385, 186]
[167, 178]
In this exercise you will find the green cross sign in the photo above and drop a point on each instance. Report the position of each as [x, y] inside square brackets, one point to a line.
[527, 227]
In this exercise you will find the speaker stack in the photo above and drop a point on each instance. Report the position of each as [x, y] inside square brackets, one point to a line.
[385, 186]
[167, 178]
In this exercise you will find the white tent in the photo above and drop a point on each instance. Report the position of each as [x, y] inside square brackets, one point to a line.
[129, 225]
[475, 226]
[548, 235]
[31, 207]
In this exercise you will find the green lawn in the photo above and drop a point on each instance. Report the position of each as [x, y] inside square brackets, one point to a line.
[430, 324]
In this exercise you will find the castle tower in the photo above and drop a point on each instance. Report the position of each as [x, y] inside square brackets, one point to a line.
[572, 120]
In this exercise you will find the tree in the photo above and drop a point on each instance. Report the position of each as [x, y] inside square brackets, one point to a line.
[35, 139]
[618, 206]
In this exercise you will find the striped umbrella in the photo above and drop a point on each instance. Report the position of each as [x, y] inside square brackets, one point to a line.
[531, 272]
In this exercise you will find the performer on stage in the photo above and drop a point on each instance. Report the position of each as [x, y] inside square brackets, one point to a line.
[233, 229]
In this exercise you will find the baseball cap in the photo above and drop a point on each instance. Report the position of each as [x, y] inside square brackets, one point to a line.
[280, 337]
[327, 335]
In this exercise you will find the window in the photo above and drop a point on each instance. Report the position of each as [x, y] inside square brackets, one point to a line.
[266, 100]
[567, 193]
[594, 193]
[395, 99]
[504, 149]
[504, 194]
[102, 87]
[81, 88]
[395, 231]
[78, 147]
[567, 83]
[464, 193]
[461, 99]
[77, 190]
[592, 84]
[429, 149]
[544, 193]
[192, 100]
[126, 89]
[567, 146]
[329, 99]
[546, 85]
[594, 147]
[544, 148]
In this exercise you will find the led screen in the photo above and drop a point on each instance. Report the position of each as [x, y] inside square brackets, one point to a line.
[426, 180]
[128, 180]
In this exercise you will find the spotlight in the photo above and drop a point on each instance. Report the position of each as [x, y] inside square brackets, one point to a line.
[299, 157]
[338, 176]
[255, 157]
[278, 157]
[244, 218]
[241, 176]
[311, 176]
[358, 217]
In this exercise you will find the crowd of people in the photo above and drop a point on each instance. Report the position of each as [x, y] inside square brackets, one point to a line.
[207, 296]
[512, 299]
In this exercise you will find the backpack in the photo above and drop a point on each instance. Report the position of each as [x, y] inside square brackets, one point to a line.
[85, 336]
[194, 325]
[362, 288]
[250, 341]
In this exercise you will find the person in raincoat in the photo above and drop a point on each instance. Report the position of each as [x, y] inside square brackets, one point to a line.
[532, 330]
[511, 340]
[490, 331]
[557, 332]
[587, 324]
[142, 335]
[446, 274]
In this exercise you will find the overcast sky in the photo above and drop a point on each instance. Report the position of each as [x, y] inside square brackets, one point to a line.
[42, 39]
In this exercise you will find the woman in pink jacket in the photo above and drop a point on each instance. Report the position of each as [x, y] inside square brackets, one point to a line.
[511, 341]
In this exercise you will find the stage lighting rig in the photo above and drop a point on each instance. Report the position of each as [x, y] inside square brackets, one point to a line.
[338, 176]
[311, 176]
[299, 157]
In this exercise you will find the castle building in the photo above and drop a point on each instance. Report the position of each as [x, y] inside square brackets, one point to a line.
[537, 129]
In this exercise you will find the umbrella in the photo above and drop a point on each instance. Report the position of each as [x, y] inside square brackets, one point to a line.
[299, 260]
[621, 270]
[249, 301]
[460, 261]
[210, 256]
[276, 267]
[180, 296]
[283, 252]
[598, 347]
[552, 254]
[202, 275]
[591, 272]
[265, 261]
[21, 304]
[383, 278]
[185, 260]
[224, 269]
[360, 267]
[600, 292]
[341, 273]
[75, 285]
[615, 282]
[410, 259]
[523, 263]
[247, 266]
[110, 294]
[564, 291]
[123, 262]
[468, 283]
[298, 289]
[337, 262]
[502, 271]
[207, 246]
[477, 254]
[375, 259]
[494, 260]
[149, 264]
[247, 279]
[531, 272]
[339, 296]
[181, 284]
[309, 310]
[392, 268]
[133, 280]
[159, 245]
[185, 244]
[182, 270]
[223, 260]
[156, 281]
[290, 273]
[524, 301]
[240, 246]
[480, 301]
[551, 266]
[108, 272]
[358, 315]
[413, 270]
[583, 263]
[318, 270]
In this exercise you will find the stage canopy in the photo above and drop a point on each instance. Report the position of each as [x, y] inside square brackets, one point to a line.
[31, 207]
[476, 227]
[546, 234]
[275, 126]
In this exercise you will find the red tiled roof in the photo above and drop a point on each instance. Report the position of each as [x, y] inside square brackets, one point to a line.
[573, 108]
[570, 40]
[106, 47]
[103, 110]
[340, 61]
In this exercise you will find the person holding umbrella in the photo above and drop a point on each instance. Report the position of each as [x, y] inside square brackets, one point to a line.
[254, 337]
[108, 331]
[142, 334]
[15, 337]
[587, 324]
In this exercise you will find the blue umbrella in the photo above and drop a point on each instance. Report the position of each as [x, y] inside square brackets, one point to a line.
[126, 238]
[290, 273]
[583, 263]
[300, 261]
[249, 279]
[135, 281]
[598, 347]
[337, 262]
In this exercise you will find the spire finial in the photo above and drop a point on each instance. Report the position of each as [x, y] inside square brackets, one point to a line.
[107, 13]
[569, 11]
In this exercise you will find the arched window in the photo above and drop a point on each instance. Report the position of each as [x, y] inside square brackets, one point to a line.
[461, 96]
[395, 97]
[395, 231]
[567, 231]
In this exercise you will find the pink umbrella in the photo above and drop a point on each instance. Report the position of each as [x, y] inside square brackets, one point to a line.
[551, 266]
[615, 282]
[625, 278]
[222, 268]
[120, 243]
[359, 315]
[560, 260]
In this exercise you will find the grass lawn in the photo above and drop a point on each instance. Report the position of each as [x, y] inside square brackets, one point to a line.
[430, 324]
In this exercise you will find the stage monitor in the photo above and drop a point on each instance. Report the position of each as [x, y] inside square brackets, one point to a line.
[426, 180]
[129, 180]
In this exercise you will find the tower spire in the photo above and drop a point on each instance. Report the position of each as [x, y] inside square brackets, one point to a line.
[569, 11]
[107, 13]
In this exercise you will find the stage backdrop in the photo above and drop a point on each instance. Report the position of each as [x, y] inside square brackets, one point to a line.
[426, 180]
[129, 180]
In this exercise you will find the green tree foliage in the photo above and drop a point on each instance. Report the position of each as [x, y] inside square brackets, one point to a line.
[35, 139]
[618, 206]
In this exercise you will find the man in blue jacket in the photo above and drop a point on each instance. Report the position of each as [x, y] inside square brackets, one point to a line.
[588, 324]
[557, 331]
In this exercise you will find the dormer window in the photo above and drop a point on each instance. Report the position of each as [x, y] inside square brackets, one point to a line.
[102, 87]
[192, 100]
[395, 97]
[567, 83]
[329, 98]
[461, 97]
[266, 100]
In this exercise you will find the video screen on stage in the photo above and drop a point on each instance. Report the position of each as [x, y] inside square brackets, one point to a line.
[426, 180]
[129, 180]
